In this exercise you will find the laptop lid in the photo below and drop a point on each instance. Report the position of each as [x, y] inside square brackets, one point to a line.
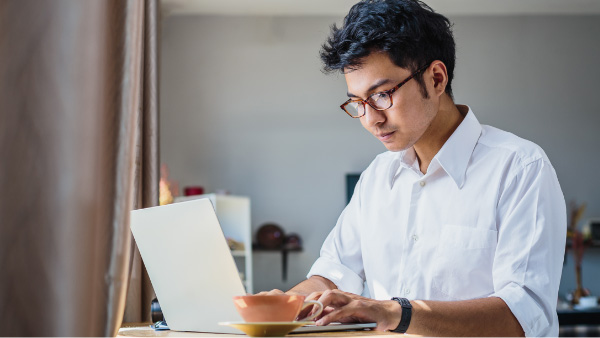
[190, 265]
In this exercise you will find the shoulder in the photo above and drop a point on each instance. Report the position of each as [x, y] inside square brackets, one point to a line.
[512, 149]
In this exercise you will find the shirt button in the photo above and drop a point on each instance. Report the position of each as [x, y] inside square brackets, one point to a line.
[422, 183]
[415, 238]
[407, 291]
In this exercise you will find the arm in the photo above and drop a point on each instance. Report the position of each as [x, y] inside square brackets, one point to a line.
[526, 271]
[314, 284]
[476, 317]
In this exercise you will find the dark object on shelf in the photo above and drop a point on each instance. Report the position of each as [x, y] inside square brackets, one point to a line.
[595, 231]
[270, 236]
[156, 312]
[292, 242]
[351, 180]
[193, 190]
[579, 317]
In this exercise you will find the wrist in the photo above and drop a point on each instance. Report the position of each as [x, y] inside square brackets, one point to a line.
[405, 314]
[395, 315]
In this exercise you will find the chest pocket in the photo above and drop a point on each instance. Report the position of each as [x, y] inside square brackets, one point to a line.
[463, 262]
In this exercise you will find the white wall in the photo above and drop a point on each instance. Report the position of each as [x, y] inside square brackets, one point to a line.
[244, 107]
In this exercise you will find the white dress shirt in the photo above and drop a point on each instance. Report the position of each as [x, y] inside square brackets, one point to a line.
[487, 220]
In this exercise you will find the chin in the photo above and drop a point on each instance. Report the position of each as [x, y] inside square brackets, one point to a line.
[399, 145]
[396, 147]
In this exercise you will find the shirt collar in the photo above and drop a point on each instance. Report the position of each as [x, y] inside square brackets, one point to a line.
[454, 155]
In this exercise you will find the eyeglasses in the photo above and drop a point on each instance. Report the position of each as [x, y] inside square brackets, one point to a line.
[379, 101]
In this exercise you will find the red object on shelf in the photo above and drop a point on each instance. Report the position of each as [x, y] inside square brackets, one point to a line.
[194, 190]
[270, 236]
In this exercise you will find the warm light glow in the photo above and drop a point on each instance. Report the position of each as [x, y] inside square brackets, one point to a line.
[422, 305]
[241, 303]
[167, 189]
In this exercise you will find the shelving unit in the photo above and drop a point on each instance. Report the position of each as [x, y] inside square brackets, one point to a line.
[233, 213]
[284, 257]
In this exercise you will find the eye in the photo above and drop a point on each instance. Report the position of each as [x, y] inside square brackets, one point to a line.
[377, 97]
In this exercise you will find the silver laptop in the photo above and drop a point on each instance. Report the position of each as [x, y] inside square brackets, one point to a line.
[191, 267]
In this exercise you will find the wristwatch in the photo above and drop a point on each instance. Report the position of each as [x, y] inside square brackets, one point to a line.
[406, 315]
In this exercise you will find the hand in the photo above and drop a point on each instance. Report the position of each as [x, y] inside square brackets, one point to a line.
[344, 307]
[309, 310]
[269, 293]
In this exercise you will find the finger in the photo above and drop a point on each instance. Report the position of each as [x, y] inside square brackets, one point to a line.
[355, 311]
[314, 295]
[334, 316]
[309, 310]
[335, 298]
[305, 313]
[268, 293]
[325, 311]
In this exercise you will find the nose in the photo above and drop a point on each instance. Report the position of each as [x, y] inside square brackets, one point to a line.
[373, 116]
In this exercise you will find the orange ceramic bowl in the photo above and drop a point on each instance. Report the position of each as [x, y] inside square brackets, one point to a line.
[269, 308]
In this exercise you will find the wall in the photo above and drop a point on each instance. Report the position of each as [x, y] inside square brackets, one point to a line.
[244, 107]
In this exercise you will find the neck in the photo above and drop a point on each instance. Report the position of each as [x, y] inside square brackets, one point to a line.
[447, 119]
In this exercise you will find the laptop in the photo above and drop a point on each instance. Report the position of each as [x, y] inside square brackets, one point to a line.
[192, 269]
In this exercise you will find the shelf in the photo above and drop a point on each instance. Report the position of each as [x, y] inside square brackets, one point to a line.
[276, 250]
[578, 317]
[284, 253]
[587, 244]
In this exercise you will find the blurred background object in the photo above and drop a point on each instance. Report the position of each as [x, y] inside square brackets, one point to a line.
[270, 236]
[168, 189]
[193, 190]
[576, 243]
[292, 242]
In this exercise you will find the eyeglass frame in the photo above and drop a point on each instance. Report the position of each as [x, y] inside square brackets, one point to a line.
[389, 92]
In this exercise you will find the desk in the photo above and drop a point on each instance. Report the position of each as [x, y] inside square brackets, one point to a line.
[144, 330]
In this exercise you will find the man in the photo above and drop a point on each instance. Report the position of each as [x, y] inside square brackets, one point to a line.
[463, 224]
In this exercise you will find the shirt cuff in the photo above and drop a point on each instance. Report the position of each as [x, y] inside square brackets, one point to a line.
[529, 314]
[340, 275]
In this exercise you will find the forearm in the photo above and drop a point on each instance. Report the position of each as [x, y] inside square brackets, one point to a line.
[312, 284]
[477, 317]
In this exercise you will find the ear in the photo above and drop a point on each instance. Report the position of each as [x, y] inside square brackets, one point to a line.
[439, 77]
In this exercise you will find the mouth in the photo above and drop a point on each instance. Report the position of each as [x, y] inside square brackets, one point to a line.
[383, 137]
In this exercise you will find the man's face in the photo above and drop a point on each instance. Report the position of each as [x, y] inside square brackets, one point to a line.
[403, 124]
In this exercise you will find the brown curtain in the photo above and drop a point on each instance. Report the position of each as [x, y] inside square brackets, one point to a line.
[140, 292]
[78, 151]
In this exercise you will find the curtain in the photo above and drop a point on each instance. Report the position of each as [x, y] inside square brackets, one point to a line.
[78, 151]
[140, 292]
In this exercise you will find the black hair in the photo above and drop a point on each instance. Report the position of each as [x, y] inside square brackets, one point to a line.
[408, 30]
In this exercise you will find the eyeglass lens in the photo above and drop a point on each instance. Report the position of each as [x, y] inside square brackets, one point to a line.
[378, 101]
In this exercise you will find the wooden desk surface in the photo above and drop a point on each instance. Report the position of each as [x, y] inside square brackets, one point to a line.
[144, 330]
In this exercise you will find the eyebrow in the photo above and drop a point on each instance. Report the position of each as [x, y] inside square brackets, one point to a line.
[375, 85]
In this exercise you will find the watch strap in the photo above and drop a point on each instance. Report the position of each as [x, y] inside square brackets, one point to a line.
[406, 315]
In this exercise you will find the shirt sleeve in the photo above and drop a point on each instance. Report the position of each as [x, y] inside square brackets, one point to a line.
[340, 260]
[528, 261]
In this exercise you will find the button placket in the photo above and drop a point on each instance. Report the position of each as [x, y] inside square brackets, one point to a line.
[409, 234]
